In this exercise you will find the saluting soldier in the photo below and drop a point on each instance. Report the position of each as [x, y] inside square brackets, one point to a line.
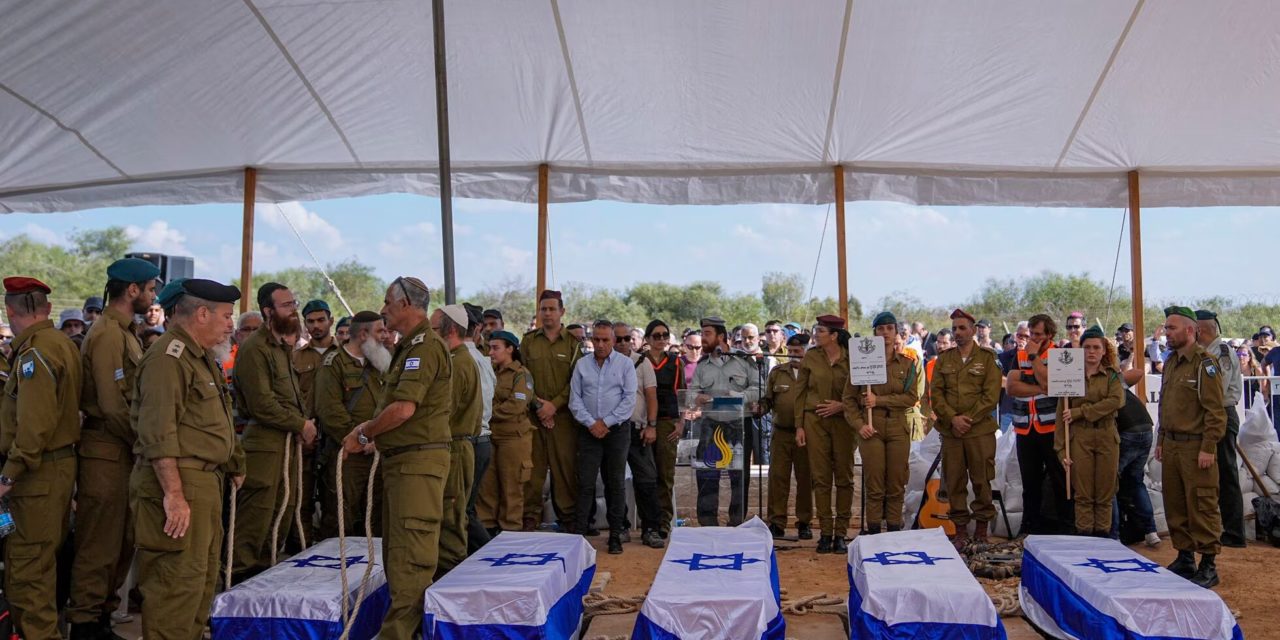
[348, 389]
[1192, 421]
[450, 323]
[822, 427]
[550, 354]
[269, 399]
[186, 445]
[966, 390]
[1230, 500]
[411, 431]
[501, 503]
[885, 442]
[317, 320]
[785, 456]
[39, 426]
[110, 355]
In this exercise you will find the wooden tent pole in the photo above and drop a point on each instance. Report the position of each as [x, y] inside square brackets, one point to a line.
[246, 241]
[543, 170]
[1135, 274]
[841, 258]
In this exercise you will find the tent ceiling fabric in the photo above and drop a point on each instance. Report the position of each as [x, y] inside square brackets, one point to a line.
[134, 102]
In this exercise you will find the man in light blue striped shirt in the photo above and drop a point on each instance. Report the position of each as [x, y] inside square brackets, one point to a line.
[602, 397]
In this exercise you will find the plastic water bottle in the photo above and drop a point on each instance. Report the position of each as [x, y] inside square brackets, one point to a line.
[6, 519]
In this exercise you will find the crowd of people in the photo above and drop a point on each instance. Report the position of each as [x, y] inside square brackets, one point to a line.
[152, 410]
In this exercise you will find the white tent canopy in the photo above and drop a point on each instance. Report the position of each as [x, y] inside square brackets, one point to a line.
[133, 102]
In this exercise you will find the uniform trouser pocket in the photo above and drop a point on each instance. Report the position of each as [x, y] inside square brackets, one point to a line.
[1206, 500]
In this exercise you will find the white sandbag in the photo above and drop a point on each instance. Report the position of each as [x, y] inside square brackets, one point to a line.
[910, 505]
[1162, 525]
[1248, 503]
[1246, 480]
[1259, 454]
[1273, 466]
[1155, 473]
[1255, 426]
[1270, 485]
[997, 525]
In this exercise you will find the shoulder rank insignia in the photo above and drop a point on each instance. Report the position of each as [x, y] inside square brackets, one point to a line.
[328, 358]
[418, 338]
[1209, 368]
[176, 348]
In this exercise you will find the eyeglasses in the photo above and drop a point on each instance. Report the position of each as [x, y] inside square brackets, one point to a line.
[659, 336]
[693, 347]
[287, 304]
[773, 330]
[1075, 326]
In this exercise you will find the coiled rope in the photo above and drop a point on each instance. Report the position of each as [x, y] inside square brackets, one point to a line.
[349, 617]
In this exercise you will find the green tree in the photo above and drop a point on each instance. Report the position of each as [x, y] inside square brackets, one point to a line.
[782, 294]
[515, 297]
[361, 288]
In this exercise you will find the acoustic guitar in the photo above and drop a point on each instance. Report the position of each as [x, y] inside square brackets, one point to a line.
[934, 505]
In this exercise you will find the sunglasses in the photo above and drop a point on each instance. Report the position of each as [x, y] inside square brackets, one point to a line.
[659, 336]
[693, 348]
[1243, 353]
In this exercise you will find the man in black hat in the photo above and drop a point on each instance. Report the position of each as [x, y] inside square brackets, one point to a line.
[92, 310]
[1230, 500]
[1125, 340]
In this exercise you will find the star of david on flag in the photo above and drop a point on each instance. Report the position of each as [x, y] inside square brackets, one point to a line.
[1134, 565]
[887, 558]
[730, 562]
[527, 559]
[326, 562]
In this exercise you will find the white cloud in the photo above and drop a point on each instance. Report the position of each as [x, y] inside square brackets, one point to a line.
[43, 234]
[158, 237]
[514, 259]
[310, 225]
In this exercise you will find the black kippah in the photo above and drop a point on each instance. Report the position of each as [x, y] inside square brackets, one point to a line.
[211, 291]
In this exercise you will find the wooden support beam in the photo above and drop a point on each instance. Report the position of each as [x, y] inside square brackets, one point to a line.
[1135, 275]
[246, 241]
[543, 171]
[841, 258]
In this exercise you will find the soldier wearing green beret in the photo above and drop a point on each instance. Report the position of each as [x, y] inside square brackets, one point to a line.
[268, 397]
[316, 321]
[411, 430]
[885, 442]
[39, 426]
[501, 503]
[110, 356]
[1192, 421]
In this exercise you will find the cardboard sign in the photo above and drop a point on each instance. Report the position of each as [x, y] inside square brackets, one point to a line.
[1066, 373]
[866, 361]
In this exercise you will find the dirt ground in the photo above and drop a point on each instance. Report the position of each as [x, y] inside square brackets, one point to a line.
[1249, 579]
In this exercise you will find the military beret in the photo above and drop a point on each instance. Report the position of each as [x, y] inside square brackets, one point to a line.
[22, 284]
[314, 306]
[1175, 310]
[132, 270]
[712, 321]
[493, 313]
[1205, 314]
[984, 323]
[456, 313]
[1093, 332]
[831, 322]
[961, 313]
[170, 293]
[550, 294]
[92, 302]
[884, 317]
[363, 317]
[210, 290]
[344, 321]
[507, 336]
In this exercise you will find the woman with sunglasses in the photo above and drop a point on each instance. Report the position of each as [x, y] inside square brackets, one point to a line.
[669, 371]
[1249, 367]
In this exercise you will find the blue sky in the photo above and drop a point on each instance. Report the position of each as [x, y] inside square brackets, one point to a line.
[940, 255]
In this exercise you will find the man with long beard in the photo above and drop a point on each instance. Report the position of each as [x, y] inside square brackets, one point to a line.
[348, 389]
[268, 398]
[104, 545]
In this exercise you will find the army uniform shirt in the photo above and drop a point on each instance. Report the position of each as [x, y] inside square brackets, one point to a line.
[347, 393]
[819, 381]
[780, 394]
[1191, 398]
[464, 418]
[111, 353]
[306, 364]
[894, 399]
[551, 364]
[420, 373]
[267, 386]
[723, 375]
[1228, 371]
[969, 388]
[40, 411]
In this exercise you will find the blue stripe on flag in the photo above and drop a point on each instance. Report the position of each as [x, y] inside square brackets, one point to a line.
[368, 623]
[1075, 615]
[562, 620]
[864, 625]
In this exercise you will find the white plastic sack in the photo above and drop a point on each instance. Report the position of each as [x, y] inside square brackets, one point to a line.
[1246, 480]
[1157, 501]
[1015, 521]
[1255, 426]
[1008, 478]
[1248, 503]
[1259, 454]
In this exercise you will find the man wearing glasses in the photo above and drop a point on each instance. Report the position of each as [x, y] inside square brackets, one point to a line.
[268, 398]
[690, 353]
[775, 340]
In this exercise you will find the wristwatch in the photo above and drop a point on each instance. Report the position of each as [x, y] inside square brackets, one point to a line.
[6, 481]
[652, 423]
[361, 438]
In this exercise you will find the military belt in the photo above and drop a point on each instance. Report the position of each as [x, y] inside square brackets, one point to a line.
[1182, 437]
[414, 447]
[57, 454]
[460, 438]
[197, 464]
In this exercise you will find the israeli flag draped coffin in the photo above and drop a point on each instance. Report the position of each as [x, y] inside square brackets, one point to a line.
[1096, 589]
[520, 585]
[715, 583]
[302, 597]
[913, 584]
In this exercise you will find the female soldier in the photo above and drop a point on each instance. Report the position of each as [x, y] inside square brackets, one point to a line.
[885, 442]
[501, 504]
[1095, 443]
[821, 426]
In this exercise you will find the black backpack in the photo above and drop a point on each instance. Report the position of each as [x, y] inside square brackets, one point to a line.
[1267, 525]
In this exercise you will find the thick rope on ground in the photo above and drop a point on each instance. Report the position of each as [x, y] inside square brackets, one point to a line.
[1004, 596]
[599, 604]
[284, 501]
[349, 618]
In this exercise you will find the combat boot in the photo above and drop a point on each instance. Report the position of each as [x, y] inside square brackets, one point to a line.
[107, 632]
[824, 544]
[85, 631]
[960, 540]
[838, 545]
[980, 533]
[895, 527]
[804, 532]
[1184, 565]
[873, 529]
[1207, 575]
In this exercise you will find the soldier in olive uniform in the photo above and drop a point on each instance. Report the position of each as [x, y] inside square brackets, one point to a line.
[39, 426]
[450, 323]
[317, 321]
[966, 390]
[110, 355]
[784, 454]
[269, 398]
[1230, 499]
[411, 431]
[186, 445]
[1192, 421]
[501, 504]
[885, 442]
[822, 427]
[1095, 441]
[550, 354]
[348, 389]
